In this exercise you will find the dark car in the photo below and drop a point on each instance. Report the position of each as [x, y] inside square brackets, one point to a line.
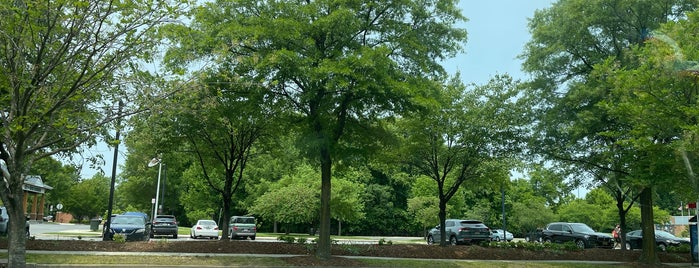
[579, 233]
[634, 240]
[132, 227]
[534, 236]
[461, 232]
[164, 225]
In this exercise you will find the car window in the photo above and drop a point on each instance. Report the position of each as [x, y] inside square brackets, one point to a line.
[581, 228]
[244, 220]
[449, 224]
[207, 223]
[555, 227]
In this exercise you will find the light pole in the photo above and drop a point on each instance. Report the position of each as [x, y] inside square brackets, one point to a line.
[156, 161]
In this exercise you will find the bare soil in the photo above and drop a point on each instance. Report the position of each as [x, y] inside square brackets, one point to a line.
[306, 252]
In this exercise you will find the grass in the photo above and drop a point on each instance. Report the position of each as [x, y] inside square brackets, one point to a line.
[243, 261]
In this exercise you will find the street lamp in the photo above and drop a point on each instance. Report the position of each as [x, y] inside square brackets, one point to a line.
[156, 161]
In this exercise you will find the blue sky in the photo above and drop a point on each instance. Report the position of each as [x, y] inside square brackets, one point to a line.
[497, 31]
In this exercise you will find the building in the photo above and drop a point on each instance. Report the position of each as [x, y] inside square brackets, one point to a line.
[34, 189]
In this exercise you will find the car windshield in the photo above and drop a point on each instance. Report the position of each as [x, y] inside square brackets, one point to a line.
[129, 220]
[207, 223]
[581, 228]
[664, 234]
[244, 220]
[471, 223]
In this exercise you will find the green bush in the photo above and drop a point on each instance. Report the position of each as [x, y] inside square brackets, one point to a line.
[287, 238]
[383, 241]
[683, 248]
[120, 238]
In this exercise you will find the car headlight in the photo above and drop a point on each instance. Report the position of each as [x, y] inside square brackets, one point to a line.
[140, 231]
[587, 236]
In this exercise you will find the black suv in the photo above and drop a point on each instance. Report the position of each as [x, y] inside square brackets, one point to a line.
[164, 225]
[582, 235]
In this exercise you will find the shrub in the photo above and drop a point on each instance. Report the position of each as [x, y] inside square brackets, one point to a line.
[383, 241]
[287, 238]
[120, 238]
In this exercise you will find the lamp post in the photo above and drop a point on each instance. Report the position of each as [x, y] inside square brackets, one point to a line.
[156, 161]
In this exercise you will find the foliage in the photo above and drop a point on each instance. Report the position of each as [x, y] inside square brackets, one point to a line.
[287, 238]
[69, 69]
[335, 82]
[88, 198]
[582, 123]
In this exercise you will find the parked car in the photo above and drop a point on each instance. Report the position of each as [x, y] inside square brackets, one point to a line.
[461, 232]
[501, 235]
[242, 227]
[5, 221]
[534, 236]
[164, 225]
[132, 227]
[204, 228]
[634, 240]
[579, 233]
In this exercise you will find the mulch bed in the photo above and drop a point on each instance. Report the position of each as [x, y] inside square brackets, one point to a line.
[306, 252]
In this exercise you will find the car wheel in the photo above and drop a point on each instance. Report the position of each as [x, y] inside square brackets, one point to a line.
[580, 243]
[628, 246]
[430, 240]
[526, 238]
[497, 239]
[191, 235]
[452, 240]
[547, 240]
[174, 236]
[662, 247]
[252, 237]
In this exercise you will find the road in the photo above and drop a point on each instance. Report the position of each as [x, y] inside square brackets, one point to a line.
[70, 231]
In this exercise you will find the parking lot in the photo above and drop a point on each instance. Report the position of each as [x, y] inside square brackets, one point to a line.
[70, 231]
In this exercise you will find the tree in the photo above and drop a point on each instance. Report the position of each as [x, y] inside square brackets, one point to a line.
[422, 209]
[568, 41]
[337, 66]
[219, 120]
[64, 67]
[88, 198]
[455, 140]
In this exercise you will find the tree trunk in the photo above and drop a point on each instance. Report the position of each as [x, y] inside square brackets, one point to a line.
[622, 219]
[226, 214]
[324, 235]
[442, 219]
[17, 242]
[649, 255]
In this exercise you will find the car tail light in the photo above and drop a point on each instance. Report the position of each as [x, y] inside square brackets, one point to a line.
[254, 228]
[216, 228]
[235, 228]
[198, 227]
